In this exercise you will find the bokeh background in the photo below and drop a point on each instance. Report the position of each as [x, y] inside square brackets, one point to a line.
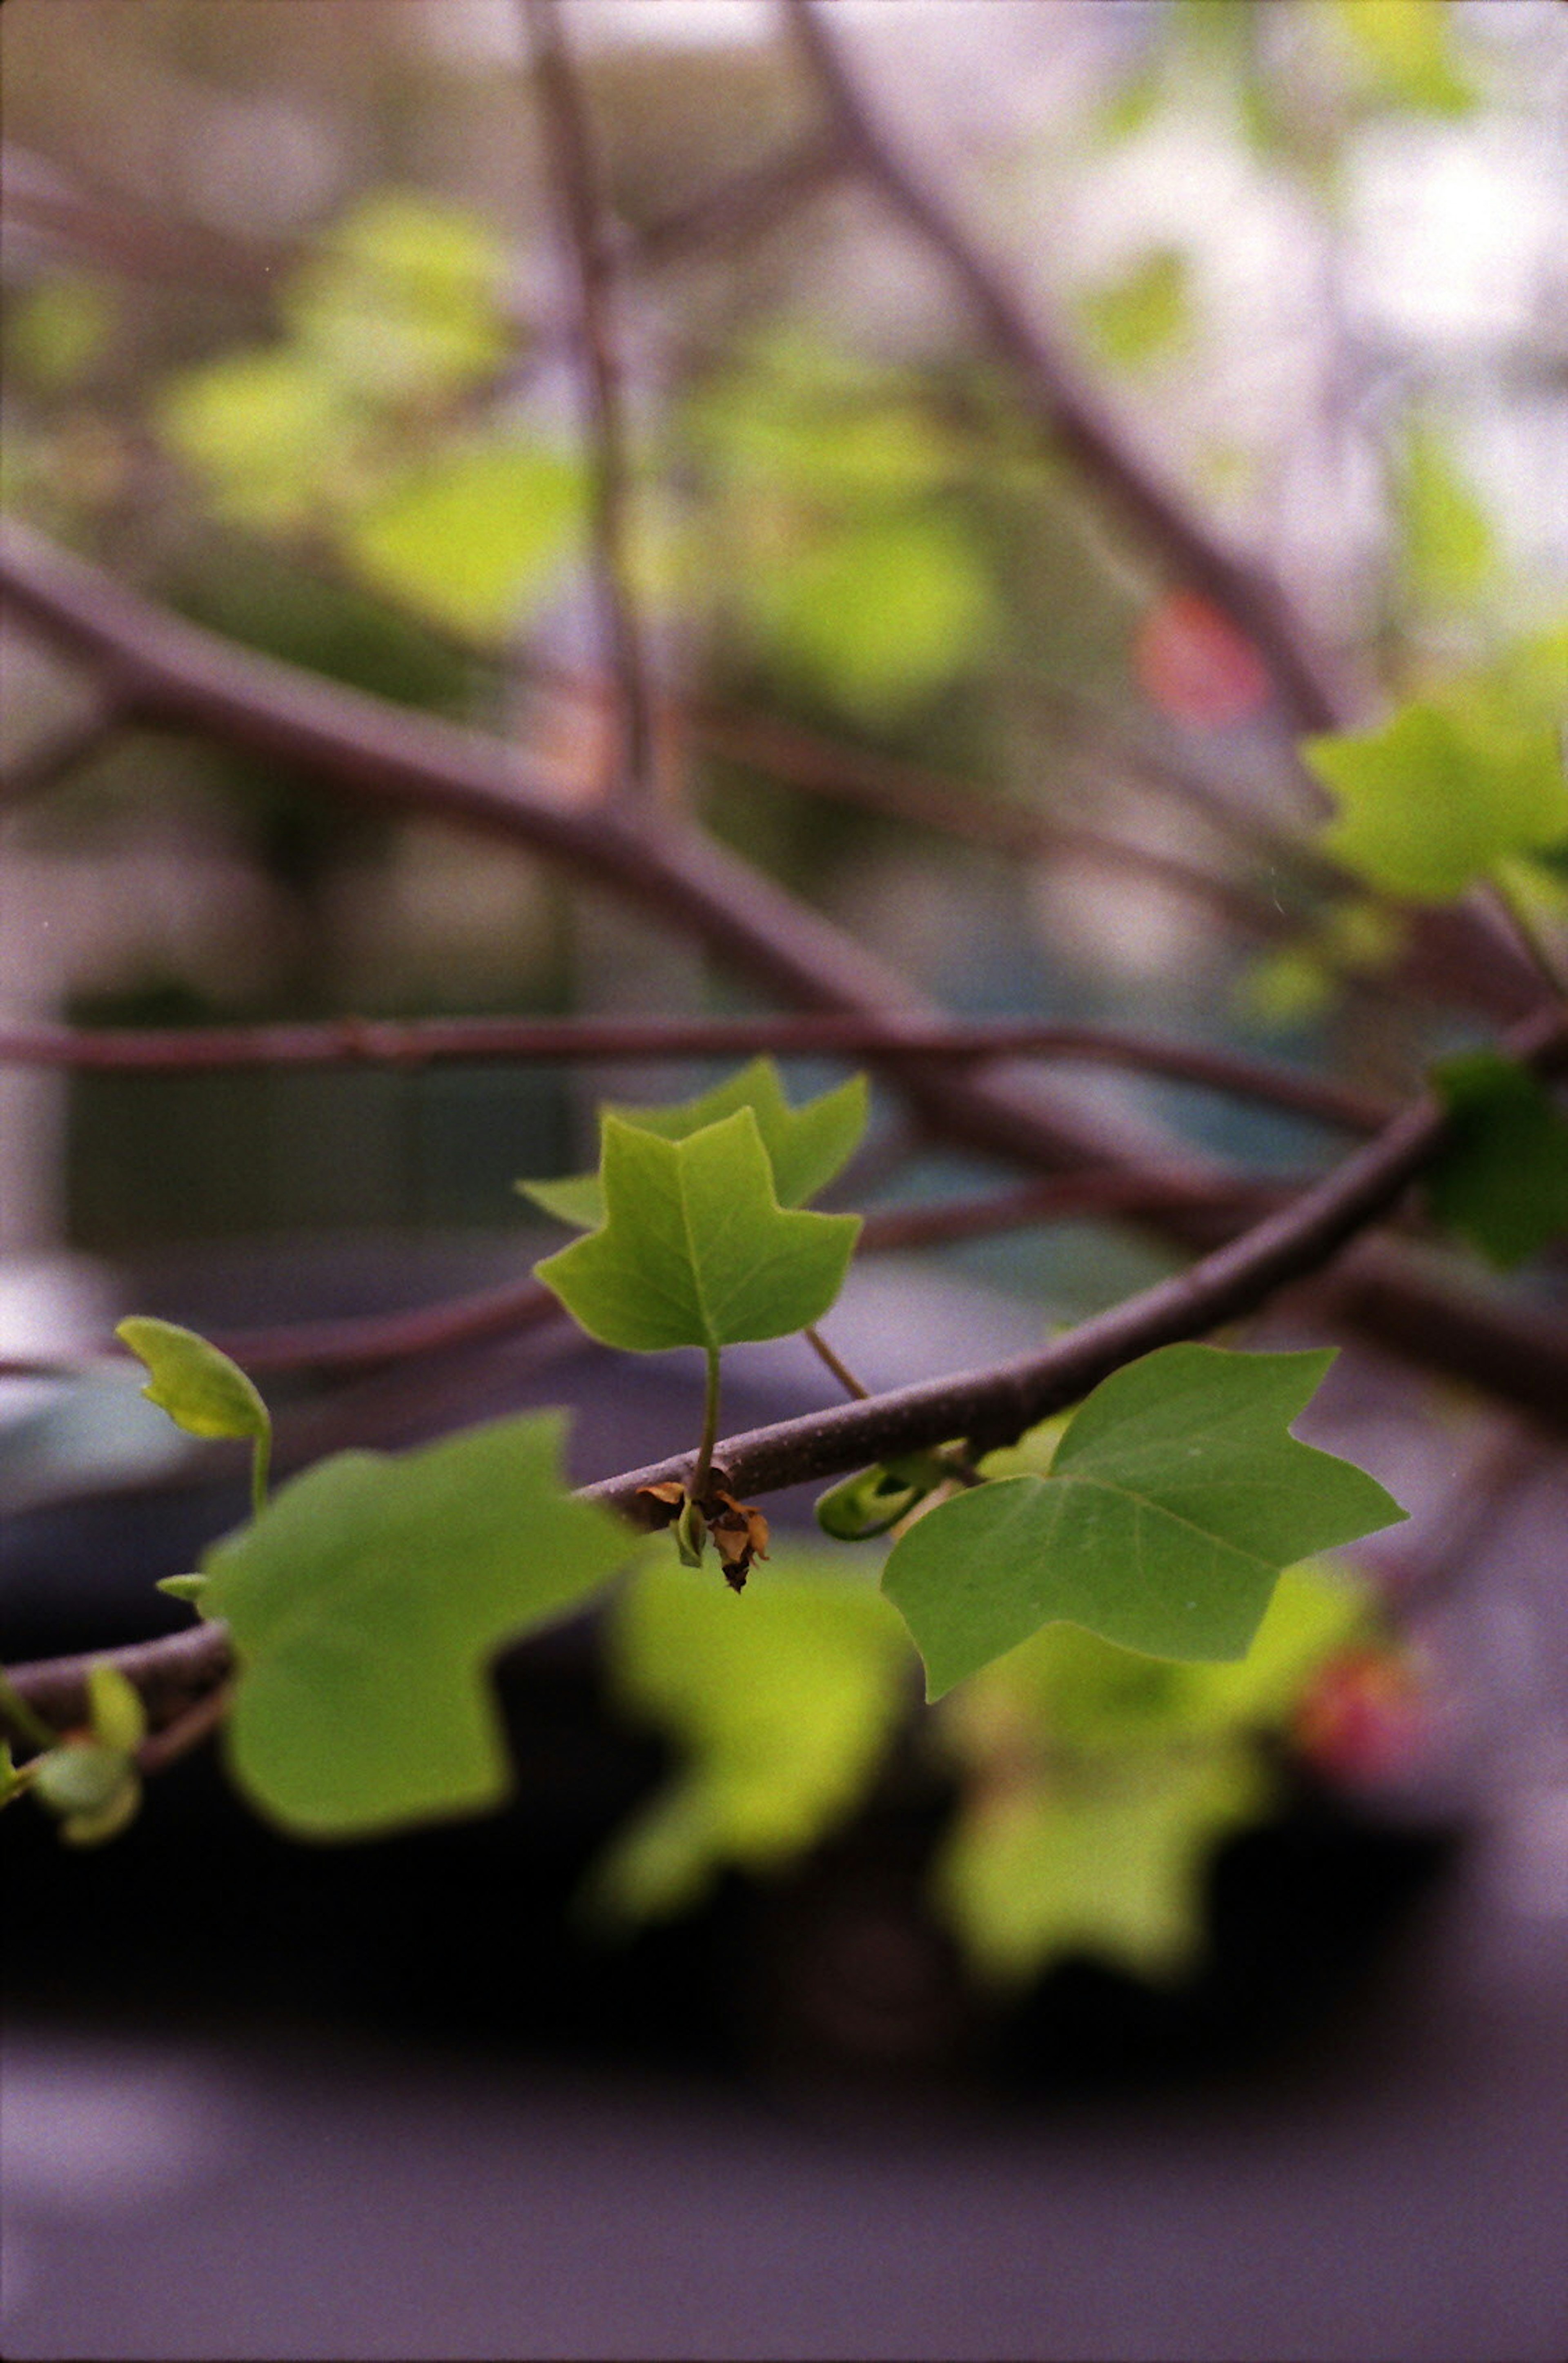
[290, 346]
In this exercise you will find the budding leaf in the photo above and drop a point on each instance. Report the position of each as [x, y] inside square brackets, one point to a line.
[202, 1391]
[806, 1145]
[1501, 1178]
[1440, 795]
[1175, 1497]
[695, 1249]
[366, 1601]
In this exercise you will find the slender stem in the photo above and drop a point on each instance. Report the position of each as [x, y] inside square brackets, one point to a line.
[17, 1712]
[260, 1465]
[187, 1731]
[702, 1476]
[841, 1371]
[1521, 918]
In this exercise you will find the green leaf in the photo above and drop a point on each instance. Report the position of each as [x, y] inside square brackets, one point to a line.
[1097, 1783]
[115, 1713]
[1501, 1179]
[364, 1603]
[1440, 795]
[202, 1391]
[188, 1588]
[1448, 550]
[58, 331]
[402, 299]
[782, 1705]
[873, 1500]
[1145, 314]
[696, 1250]
[1174, 1499]
[266, 432]
[1404, 49]
[1115, 1869]
[879, 613]
[806, 1145]
[471, 537]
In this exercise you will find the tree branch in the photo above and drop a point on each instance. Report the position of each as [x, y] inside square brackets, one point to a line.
[350, 1041]
[576, 175]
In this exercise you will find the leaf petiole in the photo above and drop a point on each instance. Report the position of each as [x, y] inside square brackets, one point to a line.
[21, 1717]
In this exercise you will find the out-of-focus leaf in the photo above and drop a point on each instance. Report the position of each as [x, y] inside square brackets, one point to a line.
[806, 1145]
[56, 332]
[115, 1713]
[264, 431]
[781, 1704]
[695, 1249]
[1099, 1781]
[881, 614]
[1405, 52]
[404, 297]
[473, 538]
[1448, 551]
[1175, 1497]
[1145, 314]
[1440, 795]
[366, 1601]
[1501, 1180]
[1114, 1869]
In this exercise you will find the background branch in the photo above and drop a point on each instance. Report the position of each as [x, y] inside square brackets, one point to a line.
[575, 176]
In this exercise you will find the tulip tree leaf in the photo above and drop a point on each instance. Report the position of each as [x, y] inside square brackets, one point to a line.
[695, 1249]
[1501, 1179]
[1116, 1870]
[808, 1146]
[782, 1706]
[1174, 1499]
[1440, 796]
[364, 1603]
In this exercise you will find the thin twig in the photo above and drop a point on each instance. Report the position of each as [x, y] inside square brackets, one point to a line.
[575, 175]
[188, 1730]
[444, 1040]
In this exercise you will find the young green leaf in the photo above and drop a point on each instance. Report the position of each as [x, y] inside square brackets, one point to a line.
[1501, 1179]
[1440, 795]
[782, 1711]
[114, 1709]
[696, 1250]
[202, 1391]
[1175, 1497]
[93, 1787]
[808, 1146]
[364, 1603]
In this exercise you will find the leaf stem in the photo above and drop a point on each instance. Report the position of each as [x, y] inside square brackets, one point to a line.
[704, 1475]
[842, 1371]
[22, 1718]
[260, 1465]
[1517, 910]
